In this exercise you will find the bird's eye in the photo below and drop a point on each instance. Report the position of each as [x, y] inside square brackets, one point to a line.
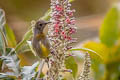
[40, 24]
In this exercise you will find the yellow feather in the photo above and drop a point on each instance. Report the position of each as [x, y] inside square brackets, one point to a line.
[44, 50]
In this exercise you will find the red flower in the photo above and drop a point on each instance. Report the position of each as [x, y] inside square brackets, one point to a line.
[69, 37]
[56, 26]
[64, 36]
[68, 20]
[70, 13]
[58, 8]
[63, 33]
[56, 30]
[72, 21]
[72, 30]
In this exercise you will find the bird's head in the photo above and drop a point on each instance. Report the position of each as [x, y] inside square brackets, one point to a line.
[40, 25]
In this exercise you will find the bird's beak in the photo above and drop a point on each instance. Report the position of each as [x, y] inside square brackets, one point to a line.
[47, 22]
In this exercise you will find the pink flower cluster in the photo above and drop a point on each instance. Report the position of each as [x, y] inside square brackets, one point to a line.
[62, 20]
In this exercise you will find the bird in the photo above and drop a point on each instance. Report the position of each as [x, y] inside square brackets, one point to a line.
[40, 43]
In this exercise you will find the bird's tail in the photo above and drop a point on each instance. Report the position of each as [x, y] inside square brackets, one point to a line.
[40, 68]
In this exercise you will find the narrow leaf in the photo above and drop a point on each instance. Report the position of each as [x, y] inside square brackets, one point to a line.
[30, 45]
[10, 36]
[24, 49]
[2, 42]
[2, 19]
[90, 51]
[29, 72]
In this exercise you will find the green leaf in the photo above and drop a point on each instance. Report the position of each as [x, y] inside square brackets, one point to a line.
[91, 52]
[2, 19]
[2, 23]
[70, 63]
[29, 72]
[4, 76]
[10, 36]
[26, 37]
[2, 43]
[12, 61]
[30, 45]
[99, 48]
[109, 28]
[24, 49]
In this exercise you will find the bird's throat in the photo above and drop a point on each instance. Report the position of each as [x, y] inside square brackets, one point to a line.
[40, 36]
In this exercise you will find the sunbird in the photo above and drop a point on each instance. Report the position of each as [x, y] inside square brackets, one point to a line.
[40, 43]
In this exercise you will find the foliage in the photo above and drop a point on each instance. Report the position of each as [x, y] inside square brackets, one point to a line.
[107, 48]
[12, 61]
[10, 36]
[109, 28]
[29, 72]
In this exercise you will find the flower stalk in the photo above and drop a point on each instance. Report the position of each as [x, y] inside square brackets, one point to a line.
[59, 34]
[86, 68]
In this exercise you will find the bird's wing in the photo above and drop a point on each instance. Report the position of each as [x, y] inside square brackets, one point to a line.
[44, 44]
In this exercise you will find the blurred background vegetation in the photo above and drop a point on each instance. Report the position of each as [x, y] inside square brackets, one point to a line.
[19, 13]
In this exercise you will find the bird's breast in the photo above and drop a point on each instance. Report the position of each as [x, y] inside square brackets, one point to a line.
[41, 45]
